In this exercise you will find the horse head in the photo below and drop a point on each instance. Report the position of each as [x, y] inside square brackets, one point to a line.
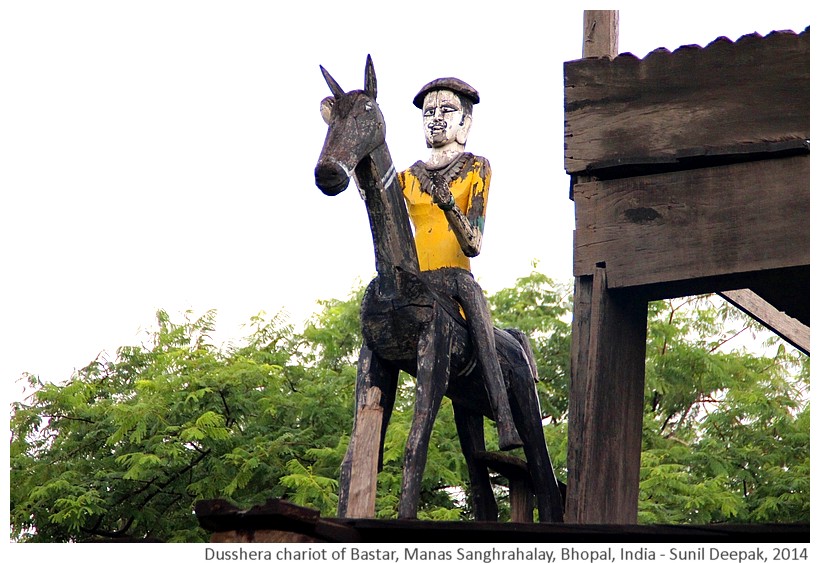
[355, 129]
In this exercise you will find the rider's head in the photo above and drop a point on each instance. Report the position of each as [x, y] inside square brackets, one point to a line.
[447, 108]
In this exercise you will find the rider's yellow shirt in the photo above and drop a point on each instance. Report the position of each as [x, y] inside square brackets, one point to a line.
[436, 242]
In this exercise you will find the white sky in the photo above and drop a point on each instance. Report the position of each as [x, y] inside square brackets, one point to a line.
[160, 154]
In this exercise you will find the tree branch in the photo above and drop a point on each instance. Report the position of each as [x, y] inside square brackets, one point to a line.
[74, 418]
[674, 438]
[176, 476]
[116, 534]
[228, 417]
[725, 340]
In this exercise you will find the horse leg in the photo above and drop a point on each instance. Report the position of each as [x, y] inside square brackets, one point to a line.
[527, 412]
[526, 406]
[376, 384]
[432, 375]
[548, 496]
[470, 427]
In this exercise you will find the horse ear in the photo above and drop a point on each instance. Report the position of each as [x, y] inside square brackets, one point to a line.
[335, 89]
[326, 109]
[370, 78]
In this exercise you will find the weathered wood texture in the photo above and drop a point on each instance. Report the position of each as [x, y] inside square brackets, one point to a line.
[787, 289]
[690, 174]
[606, 403]
[791, 330]
[600, 33]
[751, 96]
[432, 377]
[261, 536]
[362, 503]
[278, 520]
[408, 324]
[520, 483]
[693, 224]
[275, 521]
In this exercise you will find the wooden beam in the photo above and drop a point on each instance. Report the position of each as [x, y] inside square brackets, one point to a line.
[694, 224]
[365, 467]
[600, 33]
[751, 96]
[791, 330]
[218, 516]
[606, 403]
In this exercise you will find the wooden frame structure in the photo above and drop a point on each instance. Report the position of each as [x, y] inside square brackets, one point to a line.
[690, 174]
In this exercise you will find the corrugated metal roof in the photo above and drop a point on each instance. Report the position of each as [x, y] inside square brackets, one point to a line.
[719, 43]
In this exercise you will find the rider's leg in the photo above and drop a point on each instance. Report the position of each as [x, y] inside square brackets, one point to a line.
[481, 332]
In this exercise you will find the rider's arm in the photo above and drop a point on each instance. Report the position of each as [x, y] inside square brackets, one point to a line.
[467, 234]
[468, 227]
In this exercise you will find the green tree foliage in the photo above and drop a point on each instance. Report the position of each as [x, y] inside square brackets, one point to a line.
[726, 432]
[126, 446]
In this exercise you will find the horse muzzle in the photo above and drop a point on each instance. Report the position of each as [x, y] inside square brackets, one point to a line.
[331, 177]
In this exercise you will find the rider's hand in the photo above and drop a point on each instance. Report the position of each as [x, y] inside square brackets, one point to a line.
[441, 193]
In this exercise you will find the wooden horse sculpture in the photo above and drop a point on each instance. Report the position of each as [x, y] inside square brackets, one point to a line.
[407, 326]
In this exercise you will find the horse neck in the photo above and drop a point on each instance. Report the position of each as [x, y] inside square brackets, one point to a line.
[389, 222]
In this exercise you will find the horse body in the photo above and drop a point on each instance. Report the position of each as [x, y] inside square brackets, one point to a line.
[407, 325]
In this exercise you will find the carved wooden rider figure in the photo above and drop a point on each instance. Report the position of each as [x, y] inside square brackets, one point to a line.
[447, 200]
[410, 326]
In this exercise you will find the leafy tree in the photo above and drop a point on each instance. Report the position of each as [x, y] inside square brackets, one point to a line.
[726, 432]
[126, 446]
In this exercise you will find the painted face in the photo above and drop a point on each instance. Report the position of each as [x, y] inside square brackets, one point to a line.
[444, 119]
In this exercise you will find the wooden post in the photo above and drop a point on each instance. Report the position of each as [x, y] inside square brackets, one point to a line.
[606, 403]
[600, 33]
[607, 371]
[364, 468]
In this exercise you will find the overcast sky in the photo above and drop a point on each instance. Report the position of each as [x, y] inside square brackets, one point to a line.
[161, 154]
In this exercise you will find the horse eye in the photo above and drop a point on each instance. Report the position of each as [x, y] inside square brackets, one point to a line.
[368, 106]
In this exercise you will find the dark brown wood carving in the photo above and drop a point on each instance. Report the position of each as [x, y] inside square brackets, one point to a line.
[408, 326]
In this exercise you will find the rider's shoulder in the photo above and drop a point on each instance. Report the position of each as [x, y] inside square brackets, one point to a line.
[479, 161]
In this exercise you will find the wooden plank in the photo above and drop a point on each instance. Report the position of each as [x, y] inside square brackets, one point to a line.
[727, 98]
[219, 517]
[261, 536]
[606, 403]
[213, 514]
[274, 521]
[522, 501]
[791, 330]
[693, 224]
[787, 290]
[365, 467]
[600, 33]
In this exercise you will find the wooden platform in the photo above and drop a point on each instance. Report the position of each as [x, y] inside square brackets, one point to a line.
[279, 521]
